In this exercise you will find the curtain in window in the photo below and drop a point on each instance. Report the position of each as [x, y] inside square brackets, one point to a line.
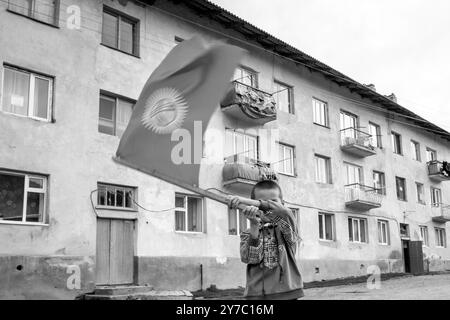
[16, 92]
[106, 115]
[194, 215]
[124, 110]
[41, 98]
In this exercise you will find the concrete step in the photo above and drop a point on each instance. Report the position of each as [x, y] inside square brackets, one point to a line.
[121, 290]
[149, 295]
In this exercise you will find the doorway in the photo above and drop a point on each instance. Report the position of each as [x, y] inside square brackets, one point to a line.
[115, 251]
[406, 256]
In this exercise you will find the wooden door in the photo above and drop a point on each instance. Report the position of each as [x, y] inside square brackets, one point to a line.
[115, 251]
[416, 257]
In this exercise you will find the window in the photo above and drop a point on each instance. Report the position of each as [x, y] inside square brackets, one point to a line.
[441, 240]
[383, 232]
[178, 39]
[188, 213]
[43, 10]
[326, 226]
[357, 230]
[27, 94]
[431, 155]
[396, 143]
[424, 235]
[237, 222]
[23, 197]
[404, 230]
[243, 145]
[120, 31]
[323, 169]
[283, 97]
[436, 197]
[375, 132]
[420, 193]
[285, 164]
[353, 174]
[415, 150]
[117, 197]
[320, 112]
[349, 123]
[114, 114]
[400, 184]
[379, 182]
[246, 76]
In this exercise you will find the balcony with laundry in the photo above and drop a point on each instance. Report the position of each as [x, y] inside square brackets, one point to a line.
[440, 213]
[439, 170]
[240, 173]
[249, 104]
[361, 197]
[357, 143]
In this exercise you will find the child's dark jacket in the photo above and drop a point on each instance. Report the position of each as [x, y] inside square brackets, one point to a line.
[272, 272]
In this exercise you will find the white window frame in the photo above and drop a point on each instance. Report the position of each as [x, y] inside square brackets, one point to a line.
[31, 89]
[349, 167]
[247, 137]
[424, 235]
[375, 136]
[318, 159]
[124, 189]
[405, 191]
[430, 152]
[441, 238]
[359, 230]
[415, 150]
[380, 189]
[320, 108]
[237, 212]
[436, 194]
[280, 164]
[383, 234]
[185, 210]
[251, 74]
[27, 189]
[322, 216]
[116, 99]
[423, 193]
[280, 87]
[394, 143]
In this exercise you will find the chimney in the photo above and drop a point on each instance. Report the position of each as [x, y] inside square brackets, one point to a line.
[392, 97]
[371, 86]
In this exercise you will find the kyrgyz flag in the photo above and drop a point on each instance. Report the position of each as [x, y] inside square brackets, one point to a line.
[185, 88]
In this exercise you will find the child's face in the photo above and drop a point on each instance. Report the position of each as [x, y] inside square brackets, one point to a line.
[268, 194]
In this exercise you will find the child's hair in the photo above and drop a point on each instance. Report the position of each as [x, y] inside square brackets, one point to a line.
[265, 185]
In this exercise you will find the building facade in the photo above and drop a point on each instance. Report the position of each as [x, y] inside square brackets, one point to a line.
[366, 178]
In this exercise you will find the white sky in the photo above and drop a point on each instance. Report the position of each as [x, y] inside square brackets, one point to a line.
[401, 46]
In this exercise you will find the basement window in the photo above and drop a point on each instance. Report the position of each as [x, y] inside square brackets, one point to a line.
[45, 11]
[23, 197]
[188, 213]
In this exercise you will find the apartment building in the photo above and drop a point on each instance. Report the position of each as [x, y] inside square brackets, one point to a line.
[366, 178]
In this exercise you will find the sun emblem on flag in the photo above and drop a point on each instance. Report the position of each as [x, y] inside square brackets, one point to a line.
[165, 111]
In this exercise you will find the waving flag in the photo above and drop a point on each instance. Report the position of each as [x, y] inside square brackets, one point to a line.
[182, 92]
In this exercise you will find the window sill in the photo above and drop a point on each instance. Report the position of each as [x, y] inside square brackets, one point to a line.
[193, 233]
[33, 19]
[19, 223]
[325, 241]
[384, 244]
[116, 209]
[118, 50]
[422, 203]
[322, 125]
[20, 116]
[287, 174]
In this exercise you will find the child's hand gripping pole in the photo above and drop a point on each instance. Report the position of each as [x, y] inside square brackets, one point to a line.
[237, 202]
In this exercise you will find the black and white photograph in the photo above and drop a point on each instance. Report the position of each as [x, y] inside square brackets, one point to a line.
[246, 151]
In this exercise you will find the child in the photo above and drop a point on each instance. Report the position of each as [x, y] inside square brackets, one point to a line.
[268, 246]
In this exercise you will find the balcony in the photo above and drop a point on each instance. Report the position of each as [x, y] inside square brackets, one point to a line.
[249, 104]
[439, 171]
[241, 173]
[441, 213]
[357, 143]
[362, 197]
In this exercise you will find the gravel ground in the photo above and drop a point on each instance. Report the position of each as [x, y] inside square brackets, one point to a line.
[433, 287]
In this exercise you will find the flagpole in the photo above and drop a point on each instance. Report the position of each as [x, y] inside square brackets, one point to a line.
[202, 192]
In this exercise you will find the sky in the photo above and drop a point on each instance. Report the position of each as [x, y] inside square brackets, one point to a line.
[401, 46]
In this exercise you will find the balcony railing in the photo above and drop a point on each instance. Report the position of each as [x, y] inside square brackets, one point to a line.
[439, 171]
[249, 104]
[241, 173]
[357, 142]
[441, 213]
[362, 197]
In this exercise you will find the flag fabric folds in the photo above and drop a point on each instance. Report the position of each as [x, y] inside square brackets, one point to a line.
[183, 92]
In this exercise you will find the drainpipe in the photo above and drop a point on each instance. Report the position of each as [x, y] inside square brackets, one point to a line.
[201, 277]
